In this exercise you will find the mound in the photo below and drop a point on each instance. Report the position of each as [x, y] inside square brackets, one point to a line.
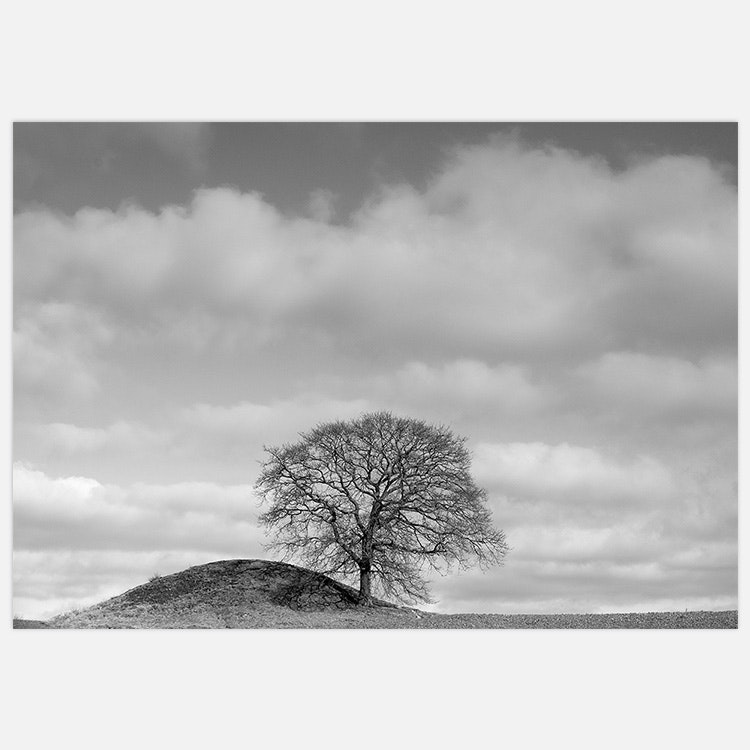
[229, 593]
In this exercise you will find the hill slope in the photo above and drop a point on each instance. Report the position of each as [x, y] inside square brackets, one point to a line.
[229, 594]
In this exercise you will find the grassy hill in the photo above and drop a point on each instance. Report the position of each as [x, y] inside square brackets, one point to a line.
[266, 594]
[232, 594]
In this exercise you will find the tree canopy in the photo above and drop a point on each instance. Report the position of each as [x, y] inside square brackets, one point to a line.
[381, 498]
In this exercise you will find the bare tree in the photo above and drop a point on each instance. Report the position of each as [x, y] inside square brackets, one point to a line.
[380, 498]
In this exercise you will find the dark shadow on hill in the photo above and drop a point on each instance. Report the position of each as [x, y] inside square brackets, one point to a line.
[262, 581]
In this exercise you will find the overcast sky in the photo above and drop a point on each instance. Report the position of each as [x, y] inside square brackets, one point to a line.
[565, 296]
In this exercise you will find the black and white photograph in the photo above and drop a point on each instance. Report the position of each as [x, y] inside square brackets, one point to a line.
[375, 375]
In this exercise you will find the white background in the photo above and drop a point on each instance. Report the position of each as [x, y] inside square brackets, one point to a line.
[379, 61]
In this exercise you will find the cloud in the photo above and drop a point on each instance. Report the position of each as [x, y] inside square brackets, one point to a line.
[570, 473]
[54, 350]
[659, 385]
[80, 513]
[98, 257]
[506, 247]
[470, 384]
[202, 443]
[242, 429]
[72, 439]
[322, 205]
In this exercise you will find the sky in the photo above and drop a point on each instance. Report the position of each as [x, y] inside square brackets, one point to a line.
[563, 295]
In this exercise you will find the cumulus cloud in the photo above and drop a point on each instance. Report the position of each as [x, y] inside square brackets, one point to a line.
[72, 439]
[322, 205]
[54, 350]
[571, 473]
[80, 513]
[506, 247]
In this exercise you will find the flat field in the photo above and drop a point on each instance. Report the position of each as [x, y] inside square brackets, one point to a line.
[398, 619]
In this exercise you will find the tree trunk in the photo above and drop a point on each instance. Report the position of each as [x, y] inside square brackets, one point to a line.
[365, 593]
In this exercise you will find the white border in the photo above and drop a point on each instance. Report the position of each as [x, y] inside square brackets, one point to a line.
[329, 61]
